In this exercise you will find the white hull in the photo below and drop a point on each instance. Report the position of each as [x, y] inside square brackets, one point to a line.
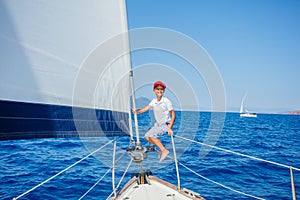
[253, 115]
[154, 189]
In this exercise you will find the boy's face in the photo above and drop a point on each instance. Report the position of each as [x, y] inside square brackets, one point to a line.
[159, 91]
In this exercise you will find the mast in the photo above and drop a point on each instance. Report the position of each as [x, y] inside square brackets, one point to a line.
[138, 143]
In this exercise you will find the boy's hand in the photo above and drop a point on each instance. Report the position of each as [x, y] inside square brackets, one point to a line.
[134, 111]
[170, 132]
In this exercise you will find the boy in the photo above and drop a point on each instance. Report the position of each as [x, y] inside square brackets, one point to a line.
[162, 108]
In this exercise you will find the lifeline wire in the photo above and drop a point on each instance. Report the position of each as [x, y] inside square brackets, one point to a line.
[244, 155]
[224, 186]
[240, 154]
[120, 179]
[62, 171]
[101, 178]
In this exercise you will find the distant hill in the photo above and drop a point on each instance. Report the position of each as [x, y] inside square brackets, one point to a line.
[296, 112]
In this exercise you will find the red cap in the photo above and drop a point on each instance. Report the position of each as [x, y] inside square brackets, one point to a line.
[157, 83]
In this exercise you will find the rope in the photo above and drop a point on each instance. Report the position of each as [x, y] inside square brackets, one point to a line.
[240, 154]
[224, 186]
[120, 180]
[62, 171]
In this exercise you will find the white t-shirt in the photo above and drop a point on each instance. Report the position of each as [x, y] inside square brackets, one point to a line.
[161, 110]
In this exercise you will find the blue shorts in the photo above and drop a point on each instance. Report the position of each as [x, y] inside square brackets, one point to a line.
[157, 131]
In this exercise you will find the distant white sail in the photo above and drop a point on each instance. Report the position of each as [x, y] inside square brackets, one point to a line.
[245, 112]
[242, 104]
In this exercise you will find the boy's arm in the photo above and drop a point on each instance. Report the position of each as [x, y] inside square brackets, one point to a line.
[170, 131]
[136, 111]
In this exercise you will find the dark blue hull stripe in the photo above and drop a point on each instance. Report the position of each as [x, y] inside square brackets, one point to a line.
[19, 120]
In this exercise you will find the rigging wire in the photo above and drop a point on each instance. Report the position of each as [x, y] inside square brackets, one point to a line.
[129, 164]
[113, 166]
[93, 186]
[15, 198]
[220, 184]
[176, 162]
[200, 143]
[244, 155]
[102, 176]
[240, 154]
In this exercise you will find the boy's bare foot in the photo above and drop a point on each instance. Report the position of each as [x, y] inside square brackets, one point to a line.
[159, 154]
[164, 155]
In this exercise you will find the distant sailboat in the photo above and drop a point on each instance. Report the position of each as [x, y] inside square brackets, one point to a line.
[246, 113]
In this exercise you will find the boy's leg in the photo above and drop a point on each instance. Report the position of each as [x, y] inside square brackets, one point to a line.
[156, 142]
[151, 136]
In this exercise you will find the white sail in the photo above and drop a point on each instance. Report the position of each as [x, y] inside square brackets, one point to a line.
[242, 104]
[48, 51]
[44, 43]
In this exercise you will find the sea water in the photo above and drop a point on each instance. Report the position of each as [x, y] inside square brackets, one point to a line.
[27, 163]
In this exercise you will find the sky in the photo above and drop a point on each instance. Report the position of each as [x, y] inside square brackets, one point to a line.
[254, 44]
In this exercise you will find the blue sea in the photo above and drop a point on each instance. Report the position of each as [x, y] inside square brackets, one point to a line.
[27, 163]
